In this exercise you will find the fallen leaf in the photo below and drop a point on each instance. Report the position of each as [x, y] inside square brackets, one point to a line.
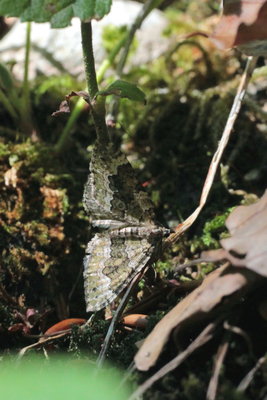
[135, 320]
[64, 325]
[243, 24]
[247, 245]
[197, 306]
[64, 108]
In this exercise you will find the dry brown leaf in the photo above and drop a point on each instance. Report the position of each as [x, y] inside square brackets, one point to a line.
[196, 306]
[247, 245]
[248, 227]
[64, 325]
[64, 107]
[243, 24]
[135, 320]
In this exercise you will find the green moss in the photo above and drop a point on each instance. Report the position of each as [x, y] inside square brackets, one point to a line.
[39, 224]
[213, 231]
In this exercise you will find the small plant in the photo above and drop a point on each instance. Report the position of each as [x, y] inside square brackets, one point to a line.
[16, 98]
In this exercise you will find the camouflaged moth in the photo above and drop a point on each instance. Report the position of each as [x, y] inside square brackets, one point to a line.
[128, 236]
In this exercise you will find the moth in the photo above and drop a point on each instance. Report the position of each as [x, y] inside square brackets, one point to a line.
[127, 236]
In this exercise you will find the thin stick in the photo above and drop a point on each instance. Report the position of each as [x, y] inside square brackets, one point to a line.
[220, 356]
[251, 62]
[243, 334]
[201, 339]
[246, 381]
[44, 341]
[115, 319]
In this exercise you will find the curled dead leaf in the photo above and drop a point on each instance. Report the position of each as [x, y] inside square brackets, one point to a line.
[195, 307]
[135, 320]
[64, 107]
[247, 245]
[64, 325]
[243, 24]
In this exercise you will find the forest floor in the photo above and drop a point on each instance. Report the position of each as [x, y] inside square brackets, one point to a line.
[170, 142]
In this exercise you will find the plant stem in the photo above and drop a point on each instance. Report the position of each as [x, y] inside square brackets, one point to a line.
[97, 106]
[92, 78]
[27, 60]
[25, 110]
[88, 57]
[80, 103]
[146, 9]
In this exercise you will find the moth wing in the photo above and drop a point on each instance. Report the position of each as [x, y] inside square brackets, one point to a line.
[110, 264]
[112, 191]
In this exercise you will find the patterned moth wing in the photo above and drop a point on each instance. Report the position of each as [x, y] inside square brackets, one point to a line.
[128, 237]
[112, 261]
[111, 192]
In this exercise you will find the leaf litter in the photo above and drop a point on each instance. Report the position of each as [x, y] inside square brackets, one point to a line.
[244, 271]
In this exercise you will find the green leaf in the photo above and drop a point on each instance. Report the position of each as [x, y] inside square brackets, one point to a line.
[6, 81]
[124, 89]
[58, 12]
[59, 379]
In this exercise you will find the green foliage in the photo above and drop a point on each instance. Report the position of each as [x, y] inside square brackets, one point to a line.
[6, 80]
[112, 34]
[58, 12]
[124, 90]
[55, 86]
[59, 379]
[163, 267]
[212, 232]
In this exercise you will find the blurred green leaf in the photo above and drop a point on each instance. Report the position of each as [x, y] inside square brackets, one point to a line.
[124, 89]
[60, 379]
[6, 81]
[58, 12]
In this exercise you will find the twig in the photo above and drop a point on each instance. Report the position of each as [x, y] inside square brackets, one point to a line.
[201, 339]
[220, 356]
[251, 62]
[45, 340]
[182, 267]
[115, 319]
[238, 331]
[246, 381]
